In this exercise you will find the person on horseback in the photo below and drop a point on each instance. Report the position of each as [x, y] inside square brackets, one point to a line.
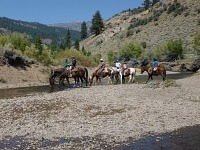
[155, 64]
[73, 63]
[117, 64]
[102, 67]
[66, 63]
[124, 67]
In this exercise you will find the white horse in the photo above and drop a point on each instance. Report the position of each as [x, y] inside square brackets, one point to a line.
[129, 72]
[115, 73]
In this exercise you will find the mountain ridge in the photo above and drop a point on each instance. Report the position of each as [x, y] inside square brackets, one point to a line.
[35, 29]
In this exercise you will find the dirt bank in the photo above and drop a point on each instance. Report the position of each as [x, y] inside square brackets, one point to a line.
[99, 116]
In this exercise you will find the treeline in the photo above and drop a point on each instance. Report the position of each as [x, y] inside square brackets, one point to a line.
[56, 34]
[18, 44]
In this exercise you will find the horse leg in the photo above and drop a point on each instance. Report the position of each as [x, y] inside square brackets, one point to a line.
[133, 78]
[163, 77]
[148, 78]
[81, 83]
[120, 77]
[85, 81]
[109, 80]
[130, 77]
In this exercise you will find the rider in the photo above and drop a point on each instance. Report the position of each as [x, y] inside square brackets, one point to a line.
[66, 63]
[155, 64]
[124, 68]
[73, 64]
[118, 64]
[102, 67]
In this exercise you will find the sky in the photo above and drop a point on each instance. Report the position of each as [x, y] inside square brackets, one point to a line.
[63, 11]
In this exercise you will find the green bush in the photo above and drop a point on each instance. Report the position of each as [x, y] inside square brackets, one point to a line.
[131, 50]
[82, 60]
[197, 43]
[111, 56]
[170, 51]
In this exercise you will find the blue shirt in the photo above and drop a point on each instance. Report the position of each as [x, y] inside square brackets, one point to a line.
[156, 63]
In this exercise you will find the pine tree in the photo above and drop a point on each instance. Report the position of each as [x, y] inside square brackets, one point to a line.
[68, 40]
[83, 30]
[97, 24]
[76, 44]
[154, 2]
[146, 4]
[38, 44]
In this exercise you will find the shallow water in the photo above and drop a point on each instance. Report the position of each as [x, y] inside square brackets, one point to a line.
[24, 91]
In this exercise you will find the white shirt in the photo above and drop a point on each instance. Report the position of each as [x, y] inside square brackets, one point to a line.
[118, 64]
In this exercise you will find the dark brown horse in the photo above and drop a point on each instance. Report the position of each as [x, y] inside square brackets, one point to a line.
[107, 72]
[160, 71]
[55, 73]
[77, 73]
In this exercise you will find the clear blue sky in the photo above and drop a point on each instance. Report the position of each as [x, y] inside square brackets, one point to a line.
[63, 11]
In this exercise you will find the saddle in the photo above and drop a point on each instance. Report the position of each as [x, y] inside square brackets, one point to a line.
[125, 71]
[155, 69]
[75, 69]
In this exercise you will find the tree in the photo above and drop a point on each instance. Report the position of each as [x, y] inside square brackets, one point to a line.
[38, 44]
[154, 2]
[68, 40]
[146, 4]
[76, 44]
[83, 30]
[97, 24]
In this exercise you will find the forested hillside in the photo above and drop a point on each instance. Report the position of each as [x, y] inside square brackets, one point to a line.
[34, 29]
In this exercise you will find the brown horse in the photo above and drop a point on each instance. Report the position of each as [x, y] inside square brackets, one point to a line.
[55, 73]
[107, 72]
[77, 73]
[160, 71]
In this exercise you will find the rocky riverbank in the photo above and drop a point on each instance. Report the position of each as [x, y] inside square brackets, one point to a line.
[99, 117]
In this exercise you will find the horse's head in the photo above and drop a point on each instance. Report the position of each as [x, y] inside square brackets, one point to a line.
[90, 80]
[51, 80]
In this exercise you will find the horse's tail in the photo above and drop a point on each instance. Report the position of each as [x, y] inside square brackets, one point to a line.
[86, 74]
[135, 70]
[165, 74]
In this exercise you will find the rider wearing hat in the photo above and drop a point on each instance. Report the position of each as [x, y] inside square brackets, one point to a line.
[103, 65]
[66, 63]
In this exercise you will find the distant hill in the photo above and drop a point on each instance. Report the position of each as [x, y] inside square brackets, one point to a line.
[152, 27]
[34, 29]
[72, 25]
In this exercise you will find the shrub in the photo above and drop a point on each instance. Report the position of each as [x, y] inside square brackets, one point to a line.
[144, 44]
[198, 21]
[197, 43]
[111, 56]
[170, 51]
[131, 50]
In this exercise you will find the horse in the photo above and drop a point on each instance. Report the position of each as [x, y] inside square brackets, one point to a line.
[129, 72]
[160, 71]
[77, 73]
[107, 72]
[54, 74]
